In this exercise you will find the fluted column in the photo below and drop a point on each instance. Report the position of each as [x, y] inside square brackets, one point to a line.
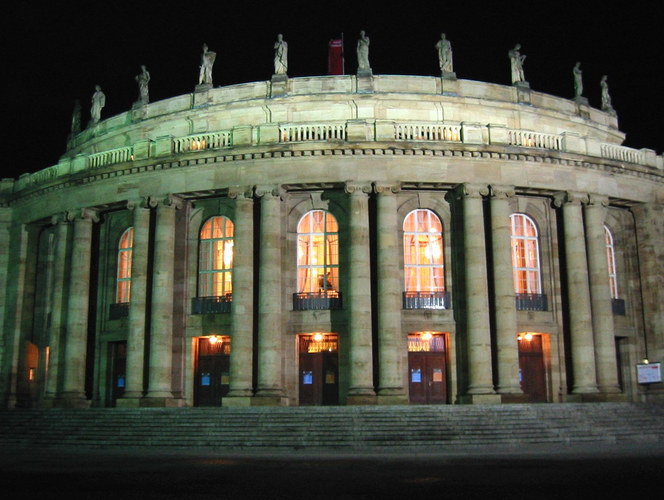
[578, 292]
[600, 296]
[73, 393]
[269, 390]
[358, 301]
[390, 336]
[504, 296]
[242, 310]
[478, 332]
[161, 324]
[56, 327]
[137, 305]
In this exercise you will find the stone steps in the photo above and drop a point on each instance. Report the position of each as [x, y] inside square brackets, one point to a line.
[337, 427]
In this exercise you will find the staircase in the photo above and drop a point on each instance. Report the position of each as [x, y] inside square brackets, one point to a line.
[433, 428]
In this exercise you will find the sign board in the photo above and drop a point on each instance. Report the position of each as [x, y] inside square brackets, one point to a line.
[649, 373]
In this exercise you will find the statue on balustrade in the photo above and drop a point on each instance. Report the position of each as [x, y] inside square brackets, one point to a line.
[207, 61]
[444, 48]
[98, 102]
[606, 98]
[363, 65]
[516, 60]
[143, 91]
[280, 56]
[578, 80]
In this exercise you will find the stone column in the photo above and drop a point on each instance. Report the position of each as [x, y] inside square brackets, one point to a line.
[56, 328]
[478, 330]
[73, 393]
[242, 309]
[358, 297]
[648, 219]
[578, 293]
[600, 296]
[504, 296]
[390, 336]
[161, 325]
[269, 390]
[137, 305]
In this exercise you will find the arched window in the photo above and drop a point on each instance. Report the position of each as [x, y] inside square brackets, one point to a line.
[215, 263]
[525, 255]
[611, 258]
[318, 254]
[123, 277]
[424, 272]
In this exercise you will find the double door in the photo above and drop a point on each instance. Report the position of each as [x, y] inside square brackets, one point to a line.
[318, 371]
[212, 372]
[427, 377]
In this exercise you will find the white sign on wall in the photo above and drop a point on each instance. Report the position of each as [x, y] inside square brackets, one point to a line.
[649, 373]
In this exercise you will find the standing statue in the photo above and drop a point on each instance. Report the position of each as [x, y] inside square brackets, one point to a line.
[444, 48]
[280, 56]
[143, 91]
[76, 119]
[606, 98]
[363, 53]
[207, 60]
[516, 60]
[578, 81]
[98, 102]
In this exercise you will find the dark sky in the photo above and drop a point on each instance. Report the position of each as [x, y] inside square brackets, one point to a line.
[55, 54]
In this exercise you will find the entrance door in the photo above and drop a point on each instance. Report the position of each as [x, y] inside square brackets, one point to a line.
[319, 370]
[427, 369]
[117, 362]
[212, 371]
[531, 368]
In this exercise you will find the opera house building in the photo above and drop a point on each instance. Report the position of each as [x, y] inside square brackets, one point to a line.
[347, 239]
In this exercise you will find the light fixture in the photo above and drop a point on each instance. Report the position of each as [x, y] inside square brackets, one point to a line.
[318, 337]
[213, 339]
[427, 336]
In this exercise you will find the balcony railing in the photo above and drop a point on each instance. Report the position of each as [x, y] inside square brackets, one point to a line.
[211, 305]
[618, 307]
[426, 300]
[531, 302]
[117, 311]
[306, 301]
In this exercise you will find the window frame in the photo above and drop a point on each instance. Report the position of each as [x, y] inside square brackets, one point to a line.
[215, 281]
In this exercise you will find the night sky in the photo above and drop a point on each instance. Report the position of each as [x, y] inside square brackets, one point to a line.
[55, 54]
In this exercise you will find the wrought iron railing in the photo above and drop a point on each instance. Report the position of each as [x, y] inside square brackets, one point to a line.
[531, 302]
[211, 305]
[426, 300]
[119, 310]
[306, 301]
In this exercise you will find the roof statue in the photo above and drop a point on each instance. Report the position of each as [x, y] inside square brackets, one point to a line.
[606, 98]
[578, 80]
[363, 66]
[98, 102]
[444, 48]
[143, 91]
[516, 62]
[280, 56]
[207, 61]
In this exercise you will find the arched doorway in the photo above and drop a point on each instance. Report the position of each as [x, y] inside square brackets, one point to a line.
[212, 370]
[427, 368]
[532, 372]
[319, 369]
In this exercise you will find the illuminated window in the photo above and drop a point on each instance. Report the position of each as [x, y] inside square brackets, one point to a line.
[318, 254]
[215, 264]
[525, 255]
[423, 252]
[611, 258]
[125, 253]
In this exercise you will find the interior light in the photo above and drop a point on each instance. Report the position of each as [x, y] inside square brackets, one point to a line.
[318, 337]
[427, 336]
[213, 339]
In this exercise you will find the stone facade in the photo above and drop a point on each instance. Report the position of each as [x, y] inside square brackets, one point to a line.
[368, 151]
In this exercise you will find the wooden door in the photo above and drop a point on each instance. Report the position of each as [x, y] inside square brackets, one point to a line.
[212, 372]
[531, 368]
[318, 371]
[427, 377]
[118, 369]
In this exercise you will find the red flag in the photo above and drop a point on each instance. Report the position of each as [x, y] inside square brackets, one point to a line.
[335, 58]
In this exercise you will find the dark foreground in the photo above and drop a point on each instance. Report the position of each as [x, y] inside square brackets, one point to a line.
[634, 472]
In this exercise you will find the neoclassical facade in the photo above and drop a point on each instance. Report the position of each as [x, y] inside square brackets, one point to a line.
[336, 240]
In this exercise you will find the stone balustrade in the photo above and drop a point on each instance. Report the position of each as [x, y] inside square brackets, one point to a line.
[531, 139]
[200, 142]
[621, 153]
[426, 132]
[119, 155]
[313, 132]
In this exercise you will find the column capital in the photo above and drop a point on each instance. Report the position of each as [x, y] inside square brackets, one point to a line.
[240, 192]
[598, 200]
[386, 187]
[357, 187]
[60, 218]
[470, 190]
[274, 190]
[89, 214]
[569, 198]
[140, 202]
[169, 200]
[501, 192]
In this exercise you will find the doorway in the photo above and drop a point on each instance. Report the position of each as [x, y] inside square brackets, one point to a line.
[319, 369]
[117, 362]
[427, 368]
[532, 375]
[212, 370]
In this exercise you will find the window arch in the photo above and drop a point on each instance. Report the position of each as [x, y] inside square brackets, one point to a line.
[318, 253]
[525, 255]
[611, 260]
[123, 275]
[423, 252]
[215, 263]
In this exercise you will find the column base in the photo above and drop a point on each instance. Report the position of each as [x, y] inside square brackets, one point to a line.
[161, 402]
[236, 401]
[479, 399]
[269, 401]
[132, 402]
[392, 399]
[72, 401]
[514, 398]
[361, 399]
[598, 397]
